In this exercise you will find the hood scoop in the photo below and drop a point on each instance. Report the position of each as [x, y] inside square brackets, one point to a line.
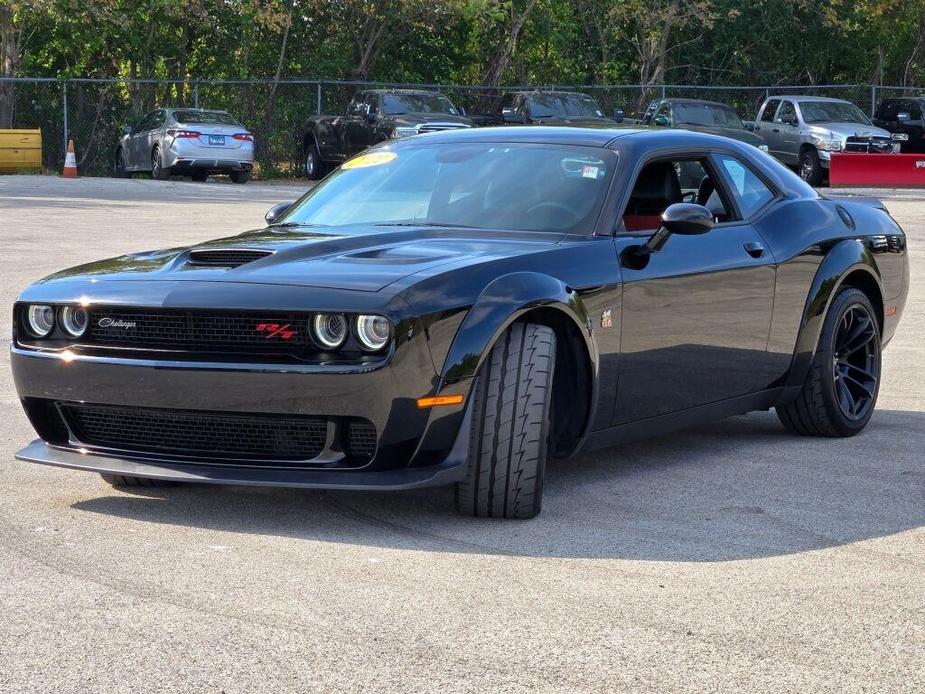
[225, 257]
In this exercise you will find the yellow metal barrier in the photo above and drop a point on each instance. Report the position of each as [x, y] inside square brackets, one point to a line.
[20, 150]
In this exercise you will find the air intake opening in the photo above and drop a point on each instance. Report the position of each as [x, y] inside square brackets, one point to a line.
[225, 257]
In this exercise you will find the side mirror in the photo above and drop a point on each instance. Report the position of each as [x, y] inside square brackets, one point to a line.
[276, 212]
[461, 110]
[372, 117]
[684, 219]
[127, 129]
[661, 120]
[902, 117]
[509, 116]
[749, 125]
[618, 115]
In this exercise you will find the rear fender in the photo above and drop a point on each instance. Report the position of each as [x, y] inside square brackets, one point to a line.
[844, 258]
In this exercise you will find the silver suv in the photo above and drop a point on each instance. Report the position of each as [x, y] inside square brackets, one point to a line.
[803, 131]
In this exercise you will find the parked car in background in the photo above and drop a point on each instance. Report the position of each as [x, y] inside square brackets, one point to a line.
[702, 116]
[374, 116]
[803, 131]
[192, 142]
[903, 116]
[539, 107]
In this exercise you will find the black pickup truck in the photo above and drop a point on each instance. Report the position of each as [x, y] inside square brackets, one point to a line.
[903, 116]
[373, 116]
[543, 107]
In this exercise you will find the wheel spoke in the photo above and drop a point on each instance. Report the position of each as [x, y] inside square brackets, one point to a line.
[845, 399]
[848, 365]
[869, 389]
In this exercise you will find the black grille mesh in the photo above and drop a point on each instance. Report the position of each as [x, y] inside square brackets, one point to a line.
[198, 330]
[209, 434]
[225, 258]
[361, 439]
[880, 145]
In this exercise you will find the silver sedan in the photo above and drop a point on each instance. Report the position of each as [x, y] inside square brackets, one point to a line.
[186, 141]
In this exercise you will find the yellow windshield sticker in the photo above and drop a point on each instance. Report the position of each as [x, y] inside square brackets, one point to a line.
[371, 159]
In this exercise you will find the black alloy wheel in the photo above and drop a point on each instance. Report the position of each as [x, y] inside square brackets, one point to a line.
[856, 362]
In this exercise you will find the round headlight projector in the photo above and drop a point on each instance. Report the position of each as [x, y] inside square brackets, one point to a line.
[41, 319]
[74, 320]
[373, 332]
[330, 329]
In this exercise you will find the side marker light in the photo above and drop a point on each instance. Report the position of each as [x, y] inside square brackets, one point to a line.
[438, 400]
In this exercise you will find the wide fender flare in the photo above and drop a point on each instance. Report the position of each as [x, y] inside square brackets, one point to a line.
[502, 302]
[843, 259]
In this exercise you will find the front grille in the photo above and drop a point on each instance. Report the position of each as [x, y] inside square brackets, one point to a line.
[198, 330]
[435, 127]
[361, 439]
[225, 257]
[198, 434]
[877, 145]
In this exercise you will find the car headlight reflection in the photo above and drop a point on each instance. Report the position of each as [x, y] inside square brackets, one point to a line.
[74, 320]
[330, 329]
[373, 332]
[41, 319]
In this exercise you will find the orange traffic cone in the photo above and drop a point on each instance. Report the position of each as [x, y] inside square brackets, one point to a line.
[70, 162]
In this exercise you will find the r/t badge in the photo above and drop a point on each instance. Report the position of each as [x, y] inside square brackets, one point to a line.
[607, 319]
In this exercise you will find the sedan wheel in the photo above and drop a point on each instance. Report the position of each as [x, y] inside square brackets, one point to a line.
[840, 392]
[158, 171]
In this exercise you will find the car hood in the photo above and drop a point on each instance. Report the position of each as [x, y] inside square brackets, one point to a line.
[367, 258]
[843, 130]
[740, 134]
[409, 119]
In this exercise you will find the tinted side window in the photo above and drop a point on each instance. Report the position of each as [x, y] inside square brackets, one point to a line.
[158, 120]
[769, 108]
[749, 191]
[787, 111]
[915, 110]
[888, 110]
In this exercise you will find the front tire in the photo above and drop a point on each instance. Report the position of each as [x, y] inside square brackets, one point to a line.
[840, 392]
[158, 171]
[240, 176]
[314, 165]
[810, 167]
[126, 481]
[510, 426]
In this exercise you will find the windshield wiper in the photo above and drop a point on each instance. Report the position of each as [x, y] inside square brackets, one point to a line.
[294, 224]
[420, 224]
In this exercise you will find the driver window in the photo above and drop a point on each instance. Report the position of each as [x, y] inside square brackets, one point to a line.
[786, 113]
[665, 182]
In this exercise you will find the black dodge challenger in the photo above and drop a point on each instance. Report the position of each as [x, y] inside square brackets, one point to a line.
[455, 307]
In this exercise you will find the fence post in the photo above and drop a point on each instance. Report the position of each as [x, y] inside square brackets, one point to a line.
[663, 91]
[196, 94]
[64, 111]
[873, 100]
[318, 99]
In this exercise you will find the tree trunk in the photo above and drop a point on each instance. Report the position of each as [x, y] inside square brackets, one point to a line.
[10, 55]
[502, 56]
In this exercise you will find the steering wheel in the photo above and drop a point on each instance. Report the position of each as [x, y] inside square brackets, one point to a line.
[550, 204]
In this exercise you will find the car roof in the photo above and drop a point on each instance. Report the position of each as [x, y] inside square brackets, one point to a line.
[805, 97]
[534, 134]
[554, 92]
[685, 100]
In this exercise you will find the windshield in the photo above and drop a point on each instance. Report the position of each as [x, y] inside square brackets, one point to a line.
[522, 187]
[396, 104]
[218, 117]
[563, 106]
[832, 112]
[717, 115]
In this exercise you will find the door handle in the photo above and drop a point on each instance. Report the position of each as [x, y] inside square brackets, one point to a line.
[754, 249]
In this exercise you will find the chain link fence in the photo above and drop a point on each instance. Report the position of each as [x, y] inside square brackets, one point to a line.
[93, 111]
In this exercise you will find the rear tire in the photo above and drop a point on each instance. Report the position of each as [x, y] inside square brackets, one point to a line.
[240, 176]
[120, 481]
[840, 392]
[510, 426]
[810, 167]
[158, 171]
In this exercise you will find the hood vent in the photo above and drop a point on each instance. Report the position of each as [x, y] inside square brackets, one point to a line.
[225, 257]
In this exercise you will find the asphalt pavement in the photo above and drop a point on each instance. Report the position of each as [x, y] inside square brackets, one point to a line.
[729, 557]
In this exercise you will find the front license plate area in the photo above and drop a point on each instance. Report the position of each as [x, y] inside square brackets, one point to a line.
[216, 139]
